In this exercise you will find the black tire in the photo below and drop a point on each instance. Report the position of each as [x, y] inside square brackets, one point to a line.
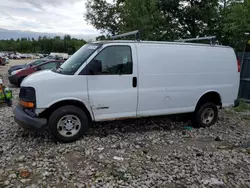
[20, 81]
[60, 113]
[200, 111]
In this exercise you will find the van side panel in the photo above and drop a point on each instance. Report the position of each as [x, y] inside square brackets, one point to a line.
[173, 77]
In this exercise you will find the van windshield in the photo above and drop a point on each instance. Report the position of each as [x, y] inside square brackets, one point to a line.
[70, 66]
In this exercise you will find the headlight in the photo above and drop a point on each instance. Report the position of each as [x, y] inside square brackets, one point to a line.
[27, 97]
[15, 72]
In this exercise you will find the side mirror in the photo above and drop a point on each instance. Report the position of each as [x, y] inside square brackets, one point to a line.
[95, 67]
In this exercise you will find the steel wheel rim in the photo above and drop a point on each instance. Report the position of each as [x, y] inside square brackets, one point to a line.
[207, 116]
[69, 125]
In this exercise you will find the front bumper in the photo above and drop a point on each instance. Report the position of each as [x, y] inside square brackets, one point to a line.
[28, 122]
[13, 79]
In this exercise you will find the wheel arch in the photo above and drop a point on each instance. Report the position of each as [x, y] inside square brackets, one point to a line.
[209, 96]
[46, 113]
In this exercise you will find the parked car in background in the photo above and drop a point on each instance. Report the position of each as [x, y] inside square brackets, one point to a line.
[2, 60]
[16, 77]
[17, 56]
[29, 56]
[41, 55]
[11, 56]
[60, 55]
[27, 65]
[7, 60]
[24, 56]
[50, 57]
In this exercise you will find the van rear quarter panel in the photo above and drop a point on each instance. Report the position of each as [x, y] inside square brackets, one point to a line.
[173, 77]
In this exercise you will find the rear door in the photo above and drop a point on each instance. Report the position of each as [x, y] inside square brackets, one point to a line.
[112, 88]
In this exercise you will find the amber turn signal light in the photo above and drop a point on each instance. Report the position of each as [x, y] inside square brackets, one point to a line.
[27, 104]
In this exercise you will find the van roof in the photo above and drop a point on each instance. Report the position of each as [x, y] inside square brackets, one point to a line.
[160, 42]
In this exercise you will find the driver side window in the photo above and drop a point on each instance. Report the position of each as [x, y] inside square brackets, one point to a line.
[112, 60]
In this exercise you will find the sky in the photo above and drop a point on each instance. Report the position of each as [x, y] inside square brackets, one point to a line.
[49, 16]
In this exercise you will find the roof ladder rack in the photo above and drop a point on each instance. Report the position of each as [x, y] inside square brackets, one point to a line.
[211, 38]
[136, 33]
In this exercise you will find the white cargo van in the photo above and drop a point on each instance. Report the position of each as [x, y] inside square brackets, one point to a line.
[129, 79]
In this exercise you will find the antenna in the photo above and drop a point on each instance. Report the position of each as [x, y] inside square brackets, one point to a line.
[211, 38]
[136, 33]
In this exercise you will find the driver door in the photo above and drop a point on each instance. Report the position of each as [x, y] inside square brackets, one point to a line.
[112, 82]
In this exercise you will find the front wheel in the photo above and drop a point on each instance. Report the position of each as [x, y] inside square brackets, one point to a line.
[205, 115]
[68, 123]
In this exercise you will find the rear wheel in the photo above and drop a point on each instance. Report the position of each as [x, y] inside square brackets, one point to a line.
[68, 123]
[205, 115]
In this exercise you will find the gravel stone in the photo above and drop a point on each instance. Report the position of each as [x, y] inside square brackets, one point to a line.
[79, 185]
[171, 142]
[118, 158]
[25, 180]
[218, 139]
[21, 158]
[6, 182]
[1, 171]
[12, 176]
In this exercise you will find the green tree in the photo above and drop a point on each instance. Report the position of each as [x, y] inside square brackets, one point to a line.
[158, 19]
[235, 22]
[192, 18]
[42, 44]
[103, 15]
[143, 15]
[127, 15]
[229, 20]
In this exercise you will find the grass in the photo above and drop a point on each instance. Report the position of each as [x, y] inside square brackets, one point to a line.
[243, 107]
[246, 117]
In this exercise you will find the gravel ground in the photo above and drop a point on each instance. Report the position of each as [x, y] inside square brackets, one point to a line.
[150, 152]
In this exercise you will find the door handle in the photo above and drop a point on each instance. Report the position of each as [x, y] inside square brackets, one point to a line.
[134, 82]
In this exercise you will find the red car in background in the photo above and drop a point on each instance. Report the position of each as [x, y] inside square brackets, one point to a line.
[17, 76]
